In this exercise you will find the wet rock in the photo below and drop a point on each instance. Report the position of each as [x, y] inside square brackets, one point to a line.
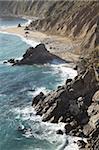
[19, 25]
[38, 98]
[75, 67]
[71, 128]
[75, 108]
[26, 28]
[59, 132]
[83, 118]
[68, 85]
[23, 129]
[68, 128]
[12, 61]
[68, 80]
[61, 102]
[81, 144]
[5, 62]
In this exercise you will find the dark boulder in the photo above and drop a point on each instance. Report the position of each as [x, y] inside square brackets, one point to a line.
[75, 67]
[5, 62]
[26, 28]
[38, 98]
[68, 80]
[59, 132]
[68, 128]
[11, 61]
[19, 25]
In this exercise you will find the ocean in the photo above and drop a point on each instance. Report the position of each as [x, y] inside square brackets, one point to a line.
[18, 86]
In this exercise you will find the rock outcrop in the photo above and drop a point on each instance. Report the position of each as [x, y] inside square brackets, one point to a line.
[76, 104]
[70, 100]
[37, 55]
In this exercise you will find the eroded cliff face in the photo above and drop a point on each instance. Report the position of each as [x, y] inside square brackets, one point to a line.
[78, 20]
[25, 7]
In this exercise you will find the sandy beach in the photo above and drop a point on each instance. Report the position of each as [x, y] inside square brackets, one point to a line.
[60, 46]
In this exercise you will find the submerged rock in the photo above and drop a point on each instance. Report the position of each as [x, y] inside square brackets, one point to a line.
[24, 130]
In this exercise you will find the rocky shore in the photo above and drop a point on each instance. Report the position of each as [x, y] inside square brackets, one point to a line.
[76, 104]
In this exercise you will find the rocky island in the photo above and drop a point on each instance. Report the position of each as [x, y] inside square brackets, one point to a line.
[38, 55]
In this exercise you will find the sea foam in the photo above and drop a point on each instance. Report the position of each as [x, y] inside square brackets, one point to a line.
[44, 130]
[28, 41]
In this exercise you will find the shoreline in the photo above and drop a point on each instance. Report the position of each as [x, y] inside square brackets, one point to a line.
[63, 91]
[57, 45]
[68, 32]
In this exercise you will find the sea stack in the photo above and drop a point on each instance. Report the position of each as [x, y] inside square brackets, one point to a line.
[38, 55]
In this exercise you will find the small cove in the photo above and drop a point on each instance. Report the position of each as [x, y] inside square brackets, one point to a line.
[16, 85]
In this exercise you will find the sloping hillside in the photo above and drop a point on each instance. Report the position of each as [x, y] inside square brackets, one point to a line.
[28, 7]
[78, 20]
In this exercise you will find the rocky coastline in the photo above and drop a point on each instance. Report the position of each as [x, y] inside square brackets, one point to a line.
[76, 104]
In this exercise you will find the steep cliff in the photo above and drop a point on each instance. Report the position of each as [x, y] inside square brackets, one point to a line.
[25, 7]
[78, 20]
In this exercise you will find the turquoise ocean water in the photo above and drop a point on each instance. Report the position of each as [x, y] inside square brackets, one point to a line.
[16, 97]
